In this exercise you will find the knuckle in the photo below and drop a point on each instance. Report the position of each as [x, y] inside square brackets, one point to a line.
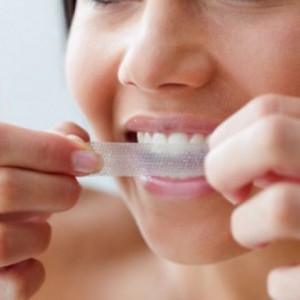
[8, 189]
[266, 104]
[281, 208]
[3, 134]
[72, 193]
[44, 238]
[212, 175]
[271, 134]
[14, 239]
[48, 149]
[235, 226]
[5, 245]
[208, 166]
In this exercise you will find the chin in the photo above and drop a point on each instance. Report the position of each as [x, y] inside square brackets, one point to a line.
[183, 230]
[197, 256]
[192, 249]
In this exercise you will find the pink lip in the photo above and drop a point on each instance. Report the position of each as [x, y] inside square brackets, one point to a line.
[183, 123]
[170, 188]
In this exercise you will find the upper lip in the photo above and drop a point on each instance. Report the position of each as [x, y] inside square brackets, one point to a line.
[167, 124]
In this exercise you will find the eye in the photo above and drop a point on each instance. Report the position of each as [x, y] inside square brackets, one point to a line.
[256, 4]
[247, 1]
[252, 2]
[105, 2]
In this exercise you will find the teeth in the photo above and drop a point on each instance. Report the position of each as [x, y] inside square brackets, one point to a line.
[158, 138]
[147, 138]
[174, 138]
[197, 139]
[179, 139]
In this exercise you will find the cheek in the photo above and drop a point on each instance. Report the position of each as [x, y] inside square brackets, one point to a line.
[91, 75]
[264, 59]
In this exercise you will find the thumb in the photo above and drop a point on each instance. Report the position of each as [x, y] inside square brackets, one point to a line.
[72, 131]
[80, 136]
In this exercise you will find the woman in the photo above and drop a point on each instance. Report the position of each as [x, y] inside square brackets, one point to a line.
[225, 70]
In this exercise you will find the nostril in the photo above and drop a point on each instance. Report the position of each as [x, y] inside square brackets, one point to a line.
[172, 87]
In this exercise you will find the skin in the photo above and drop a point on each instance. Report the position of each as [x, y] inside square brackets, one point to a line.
[231, 62]
[43, 166]
[134, 63]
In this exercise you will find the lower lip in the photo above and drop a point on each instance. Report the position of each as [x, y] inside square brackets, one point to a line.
[176, 188]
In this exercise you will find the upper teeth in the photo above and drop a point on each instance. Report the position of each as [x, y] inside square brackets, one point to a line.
[166, 146]
[173, 138]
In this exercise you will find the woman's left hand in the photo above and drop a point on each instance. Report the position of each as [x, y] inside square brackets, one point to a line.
[259, 146]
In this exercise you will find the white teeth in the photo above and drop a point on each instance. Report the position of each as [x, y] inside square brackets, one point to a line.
[147, 138]
[174, 138]
[178, 138]
[159, 138]
[140, 137]
[197, 139]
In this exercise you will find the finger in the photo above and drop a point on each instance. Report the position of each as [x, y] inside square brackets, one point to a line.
[21, 281]
[70, 128]
[45, 152]
[20, 241]
[271, 145]
[262, 106]
[19, 191]
[283, 283]
[273, 214]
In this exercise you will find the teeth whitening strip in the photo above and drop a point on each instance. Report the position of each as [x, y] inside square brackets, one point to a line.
[162, 160]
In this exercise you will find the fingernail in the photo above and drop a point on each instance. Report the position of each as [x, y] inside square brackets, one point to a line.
[86, 162]
[76, 139]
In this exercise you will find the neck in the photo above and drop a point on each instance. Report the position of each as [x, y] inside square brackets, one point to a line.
[244, 277]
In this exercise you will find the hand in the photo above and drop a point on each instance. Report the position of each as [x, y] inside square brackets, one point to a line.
[259, 146]
[37, 179]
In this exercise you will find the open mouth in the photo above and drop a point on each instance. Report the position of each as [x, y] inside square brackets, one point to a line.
[178, 138]
[186, 138]
[175, 151]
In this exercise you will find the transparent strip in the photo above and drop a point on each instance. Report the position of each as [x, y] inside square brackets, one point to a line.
[163, 160]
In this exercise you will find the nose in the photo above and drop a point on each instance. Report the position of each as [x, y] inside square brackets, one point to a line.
[167, 49]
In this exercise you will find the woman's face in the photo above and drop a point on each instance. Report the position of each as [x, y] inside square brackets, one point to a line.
[176, 69]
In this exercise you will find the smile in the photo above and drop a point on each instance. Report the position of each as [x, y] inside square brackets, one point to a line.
[176, 131]
[173, 138]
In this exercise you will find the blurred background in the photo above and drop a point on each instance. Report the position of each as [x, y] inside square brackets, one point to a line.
[33, 90]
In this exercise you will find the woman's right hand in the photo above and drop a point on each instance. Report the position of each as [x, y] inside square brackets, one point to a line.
[37, 179]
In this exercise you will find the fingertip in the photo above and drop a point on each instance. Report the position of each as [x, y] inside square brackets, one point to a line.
[78, 141]
[86, 162]
[71, 129]
[283, 283]
[239, 196]
[22, 280]
[212, 140]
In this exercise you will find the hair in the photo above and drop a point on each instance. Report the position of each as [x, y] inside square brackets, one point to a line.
[69, 8]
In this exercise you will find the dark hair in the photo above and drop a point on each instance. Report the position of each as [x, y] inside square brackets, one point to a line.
[69, 7]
